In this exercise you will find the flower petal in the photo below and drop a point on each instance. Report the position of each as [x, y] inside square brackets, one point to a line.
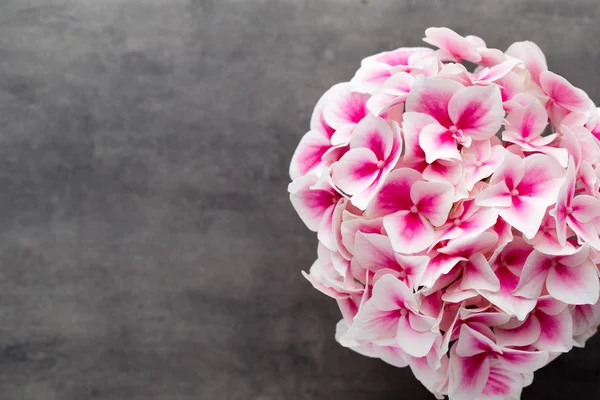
[344, 107]
[439, 265]
[390, 293]
[478, 274]
[504, 299]
[574, 285]
[433, 200]
[431, 96]
[325, 233]
[311, 204]
[452, 43]
[511, 171]
[374, 251]
[471, 342]
[308, 154]
[531, 55]
[527, 122]
[375, 134]
[502, 383]
[355, 171]
[480, 221]
[468, 376]
[373, 324]
[497, 195]
[556, 333]
[523, 361]
[317, 119]
[416, 344]
[409, 232]
[499, 70]
[370, 77]
[438, 144]
[400, 56]
[351, 225]
[587, 233]
[525, 214]
[477, 111]
[585, 208]
[533, 275]
[543, 178]
[394, 195]
[414, 267]
[523, 335]
[479, 167]
[412, 125]
[563, 92]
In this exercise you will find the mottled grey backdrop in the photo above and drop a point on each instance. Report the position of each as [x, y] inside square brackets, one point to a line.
[148, 250]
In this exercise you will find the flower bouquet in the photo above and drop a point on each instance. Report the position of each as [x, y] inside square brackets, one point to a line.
[455, 196]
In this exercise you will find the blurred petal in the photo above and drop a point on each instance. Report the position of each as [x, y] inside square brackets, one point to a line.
[523, 361]
[523, 335]
[452, 43]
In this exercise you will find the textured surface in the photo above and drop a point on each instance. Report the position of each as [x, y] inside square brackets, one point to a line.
[148, 248]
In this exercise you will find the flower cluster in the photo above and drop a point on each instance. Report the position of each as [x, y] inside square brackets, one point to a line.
[457, 212]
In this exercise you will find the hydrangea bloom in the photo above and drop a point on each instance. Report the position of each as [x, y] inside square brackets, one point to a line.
[457, 211]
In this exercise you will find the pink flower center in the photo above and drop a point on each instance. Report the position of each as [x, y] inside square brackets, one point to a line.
[514, 192]
[402, 274]
[458, 135]
[569, 210]
[403, 312]
[380, 164]
[334, 200]
[553, 263]
[527, 140]
[414, 209]
[478, 163]
[457, 222]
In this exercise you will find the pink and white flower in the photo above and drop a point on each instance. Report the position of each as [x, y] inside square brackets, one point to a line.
[374, 150]
[525, 126]
[376, 70]
[470, 361]
[472, 260]
[572, 279]
[315, 201]
[412, 209]
[521, 189]
[344, 109]
[462, 113]
[481, 160]
[392, 315]
[576, 212]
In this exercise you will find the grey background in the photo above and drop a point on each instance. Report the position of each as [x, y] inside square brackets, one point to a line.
[148, 250]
